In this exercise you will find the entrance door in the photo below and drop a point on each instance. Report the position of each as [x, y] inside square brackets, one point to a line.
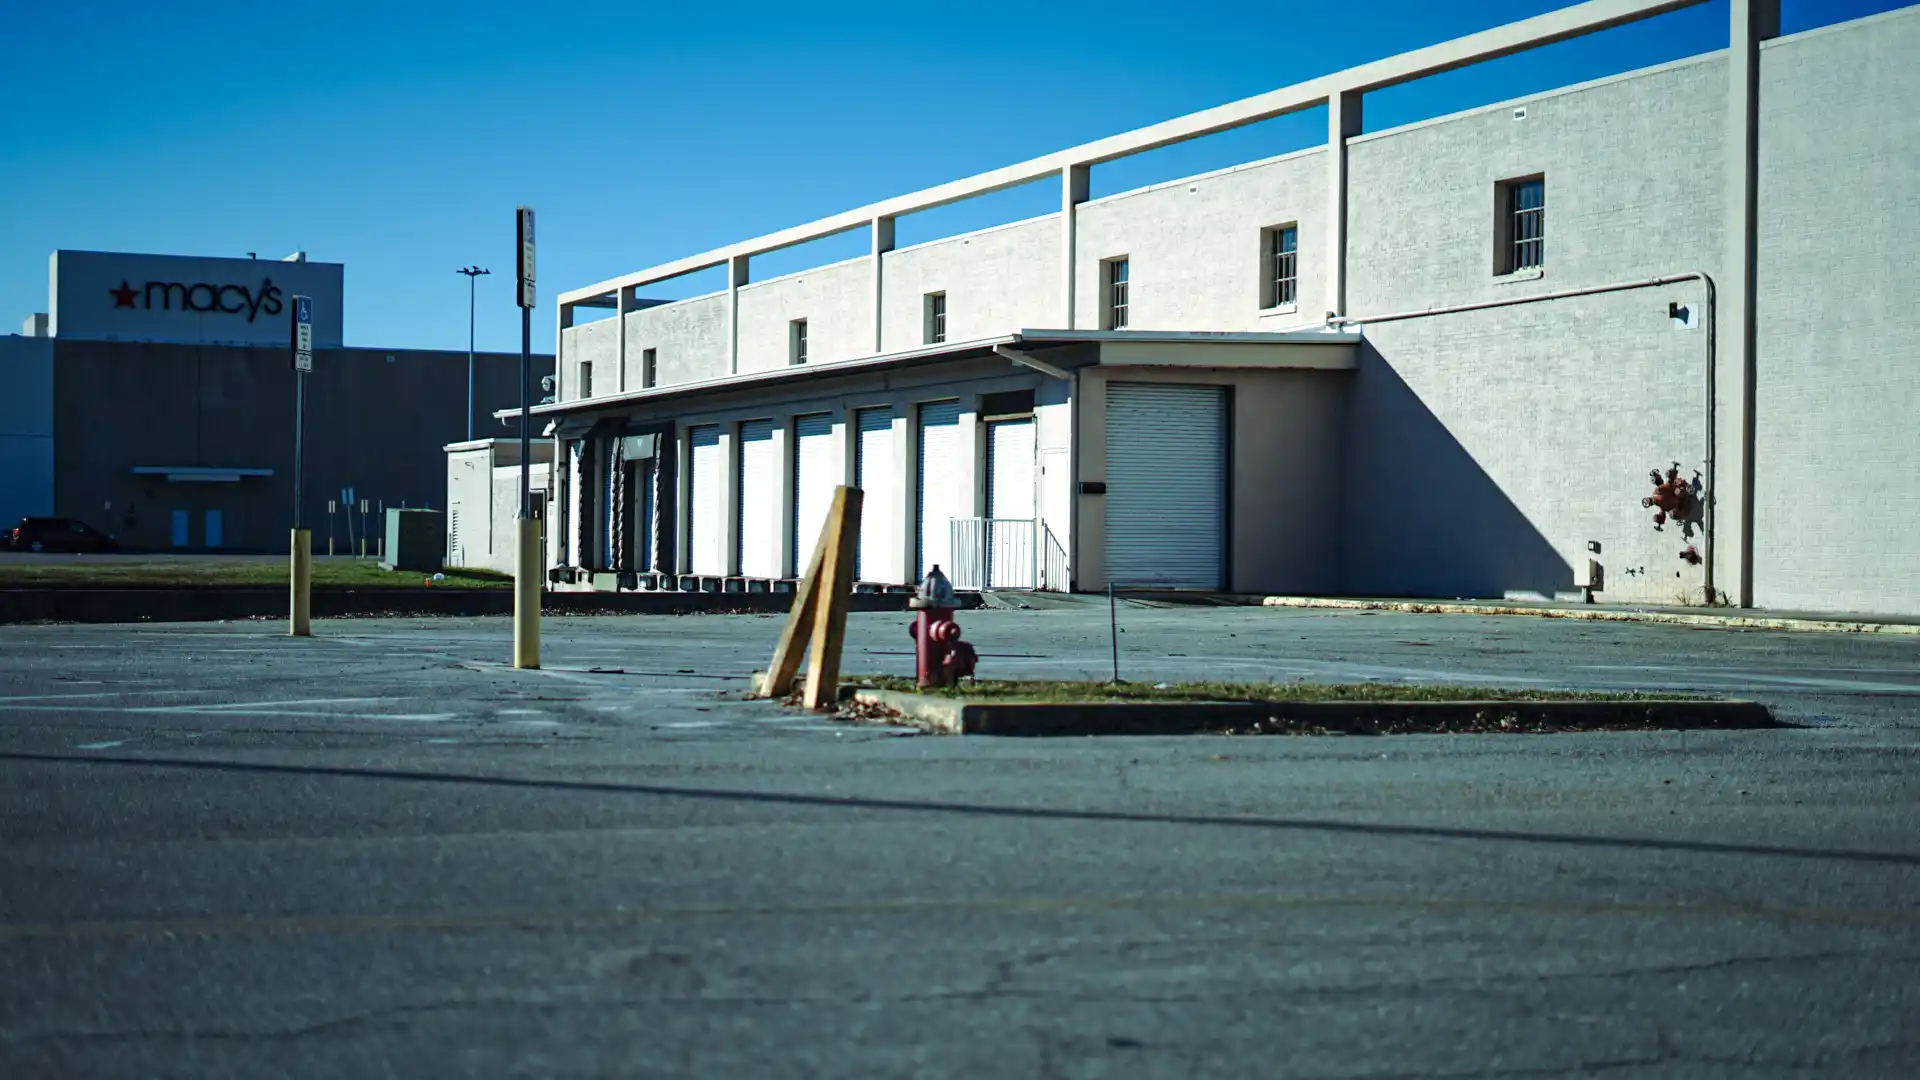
[1166, 486]
[216, 533]
[876, 475]
[638, 524]
[1010, 504]
[758, 487]
[814, 478]
[181, 525]
[707, 516]
[941, 482]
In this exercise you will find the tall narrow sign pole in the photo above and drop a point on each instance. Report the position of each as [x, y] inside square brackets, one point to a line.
[300, 586]
[526, 573]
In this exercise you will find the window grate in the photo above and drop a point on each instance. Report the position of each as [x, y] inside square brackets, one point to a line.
[1284, 266]
[1117, 294]
[1529, 198]
[797, 342]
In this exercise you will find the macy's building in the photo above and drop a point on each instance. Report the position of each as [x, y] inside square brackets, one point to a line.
[155, 399]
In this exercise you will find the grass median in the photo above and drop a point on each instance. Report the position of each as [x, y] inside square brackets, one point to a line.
[1054, 692]
[215, 573]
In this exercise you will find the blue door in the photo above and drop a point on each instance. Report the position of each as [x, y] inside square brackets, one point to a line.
[180, 528]
[214, 531]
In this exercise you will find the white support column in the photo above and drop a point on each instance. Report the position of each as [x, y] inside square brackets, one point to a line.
[564, 320]
[882, 231]
[1073, 192]
[1343, 123]
[736, 277]
[621, 305]
[1752, 22]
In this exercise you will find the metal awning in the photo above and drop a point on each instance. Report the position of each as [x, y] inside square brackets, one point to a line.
[199, 474]
[1049, 344]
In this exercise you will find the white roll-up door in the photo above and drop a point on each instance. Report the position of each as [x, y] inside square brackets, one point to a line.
[1010, 504]
[758, 486]
[815, 475]
[706, 512]
[1166, 486]
[875, 474]
[945, 492]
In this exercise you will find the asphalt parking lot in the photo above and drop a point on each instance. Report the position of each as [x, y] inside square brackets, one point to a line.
[382, 852]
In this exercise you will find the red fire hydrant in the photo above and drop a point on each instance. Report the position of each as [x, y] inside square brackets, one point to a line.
[940, 658]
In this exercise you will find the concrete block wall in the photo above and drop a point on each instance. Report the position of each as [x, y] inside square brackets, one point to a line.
[1194, 247]
[689, 336]
[1485, 450]
[26, 428]
[835, 300]
[1837, 429]
[996, 280]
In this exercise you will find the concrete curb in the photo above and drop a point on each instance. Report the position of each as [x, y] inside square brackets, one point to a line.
[205, 605]
[959, 716]
[1673, 618]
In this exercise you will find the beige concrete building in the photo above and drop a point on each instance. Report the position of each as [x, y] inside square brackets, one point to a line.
[1433, 360]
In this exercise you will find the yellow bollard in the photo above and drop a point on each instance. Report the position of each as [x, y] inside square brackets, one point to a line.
[526, 594]
[300, 585]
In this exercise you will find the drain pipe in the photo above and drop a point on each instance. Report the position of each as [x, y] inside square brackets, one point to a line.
[1335, 322]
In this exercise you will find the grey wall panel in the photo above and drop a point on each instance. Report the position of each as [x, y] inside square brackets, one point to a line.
[1837, 430]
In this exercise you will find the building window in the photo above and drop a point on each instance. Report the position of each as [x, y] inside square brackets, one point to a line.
[936, 318]
[1114, 271]
[797, 341]
[586, 379]
[1282, 287]
[649, 367]
[1520, 234]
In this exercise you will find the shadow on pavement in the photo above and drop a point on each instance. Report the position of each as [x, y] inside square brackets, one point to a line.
[912, 806]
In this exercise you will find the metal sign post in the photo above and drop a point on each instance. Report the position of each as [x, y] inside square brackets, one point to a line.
[526, 576]
[300, 585]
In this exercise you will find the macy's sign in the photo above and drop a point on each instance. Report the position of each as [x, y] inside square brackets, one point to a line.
[200, 297]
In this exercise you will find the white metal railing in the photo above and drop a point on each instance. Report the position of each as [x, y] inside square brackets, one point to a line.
[995, 553]
[1054, 573]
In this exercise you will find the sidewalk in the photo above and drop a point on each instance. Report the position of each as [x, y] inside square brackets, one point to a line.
[1723, 618]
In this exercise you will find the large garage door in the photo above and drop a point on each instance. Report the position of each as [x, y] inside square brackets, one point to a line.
[707, 514]
[874, 473]
[815, 475]
[1010, 505]
[758, 486]
[1166, 486]
[944, 495]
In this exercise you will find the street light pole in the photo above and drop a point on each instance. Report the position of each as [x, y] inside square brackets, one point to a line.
[472, 272]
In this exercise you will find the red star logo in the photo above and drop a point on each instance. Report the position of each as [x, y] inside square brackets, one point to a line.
[122, 296]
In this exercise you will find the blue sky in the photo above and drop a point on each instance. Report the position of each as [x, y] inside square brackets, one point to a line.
[397, 137]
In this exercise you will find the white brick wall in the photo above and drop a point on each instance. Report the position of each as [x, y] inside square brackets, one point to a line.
[1193, 246]
[996, 281]
[836, 302]
[1485, 450]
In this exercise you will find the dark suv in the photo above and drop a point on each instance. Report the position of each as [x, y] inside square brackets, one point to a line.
[58, 534]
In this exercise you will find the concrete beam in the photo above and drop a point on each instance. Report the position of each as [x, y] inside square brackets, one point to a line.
[1025, 360]
[1751, 22]
[1075, 183]
[1343, 123]
[1570, 22]
[882, 234]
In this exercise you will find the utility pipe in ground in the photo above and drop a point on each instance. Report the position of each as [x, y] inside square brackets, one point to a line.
[1746, 495]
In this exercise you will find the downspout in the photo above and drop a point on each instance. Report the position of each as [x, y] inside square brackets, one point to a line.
[1746, 540]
